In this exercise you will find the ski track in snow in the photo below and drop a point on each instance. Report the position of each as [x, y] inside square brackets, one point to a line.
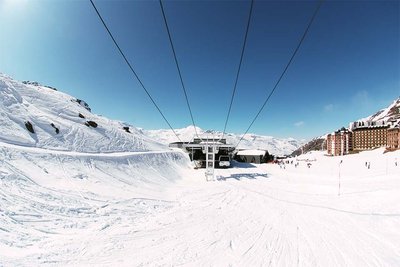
[103, 197]
[153, 209]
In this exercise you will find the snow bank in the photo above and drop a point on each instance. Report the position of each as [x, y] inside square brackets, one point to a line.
[49, 198]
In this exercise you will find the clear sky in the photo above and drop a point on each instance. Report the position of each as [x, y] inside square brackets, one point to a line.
[347, 68]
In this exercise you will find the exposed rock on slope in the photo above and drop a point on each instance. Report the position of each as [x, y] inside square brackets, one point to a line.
[315, 144]
[391, 113]
[53, 115]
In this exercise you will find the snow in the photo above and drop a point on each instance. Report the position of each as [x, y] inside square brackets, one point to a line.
[387, 114]
[104, 197]
[42, 106]
[275, 146]
[153, 208]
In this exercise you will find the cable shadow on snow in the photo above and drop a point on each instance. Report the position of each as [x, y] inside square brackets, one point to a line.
[242, 165]
[242, 176]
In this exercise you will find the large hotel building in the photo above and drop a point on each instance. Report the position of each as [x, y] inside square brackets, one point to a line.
[364, 136]
[369, 135]
[339, 142]
[393, 137]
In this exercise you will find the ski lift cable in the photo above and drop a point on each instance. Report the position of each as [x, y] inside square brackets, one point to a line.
[239, 67]
[284, 71]
[132, 70]
[178, 68]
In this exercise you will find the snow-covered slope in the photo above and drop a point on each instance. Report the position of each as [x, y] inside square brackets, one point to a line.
[74, 209]
[73, 170]
[275, 146]
[58, 121]
[392, 112]
[387, 116]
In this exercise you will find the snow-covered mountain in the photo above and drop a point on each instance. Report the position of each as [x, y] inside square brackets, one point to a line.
[392, 112]
[388, 115]
[40, 116]
[63, 168]
[275, 146]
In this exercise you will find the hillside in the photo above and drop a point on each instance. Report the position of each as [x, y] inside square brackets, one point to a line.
[65, 172]
[40, 116]
[62, 122]
[315, 144]
[390, 113]
[275, 146]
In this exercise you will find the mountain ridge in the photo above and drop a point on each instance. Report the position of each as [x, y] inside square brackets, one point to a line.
[389, 114]
[42, 116]
[275, 146]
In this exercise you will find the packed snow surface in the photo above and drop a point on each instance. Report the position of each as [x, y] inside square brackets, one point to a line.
[154, 209]
[103, 196]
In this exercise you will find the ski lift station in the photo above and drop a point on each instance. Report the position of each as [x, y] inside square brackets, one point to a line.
[209, 152]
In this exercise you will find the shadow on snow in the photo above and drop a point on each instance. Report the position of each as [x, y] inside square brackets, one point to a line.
[242, 165]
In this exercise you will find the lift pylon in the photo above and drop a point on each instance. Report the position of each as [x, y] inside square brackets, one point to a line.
[210, 162]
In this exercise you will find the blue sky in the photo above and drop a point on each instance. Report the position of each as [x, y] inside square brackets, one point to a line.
[347, 68]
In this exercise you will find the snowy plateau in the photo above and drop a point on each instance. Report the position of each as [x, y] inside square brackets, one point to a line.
[83, 190]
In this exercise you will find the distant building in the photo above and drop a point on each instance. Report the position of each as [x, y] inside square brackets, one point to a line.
[369, 135]
[339, 142]
[393, 137]
[252, 156]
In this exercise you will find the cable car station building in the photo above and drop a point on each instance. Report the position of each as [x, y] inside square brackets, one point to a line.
[218, 152]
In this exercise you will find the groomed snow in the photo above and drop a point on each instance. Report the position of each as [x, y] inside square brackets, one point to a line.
[154, 209]
[104, 197]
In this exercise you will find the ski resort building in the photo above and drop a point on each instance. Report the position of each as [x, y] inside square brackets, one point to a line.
[339, 142]
[198, 148]
[369, 135]
[364, 135]
[393, 137]
[252, 156]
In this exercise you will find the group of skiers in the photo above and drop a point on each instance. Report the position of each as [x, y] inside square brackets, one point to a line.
[282, 164]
